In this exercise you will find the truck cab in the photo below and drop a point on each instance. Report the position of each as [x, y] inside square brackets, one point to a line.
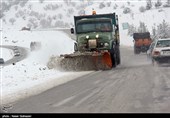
[97, 33]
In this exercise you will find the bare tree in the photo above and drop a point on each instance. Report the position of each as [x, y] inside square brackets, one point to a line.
[142, 9]
[168, 2]
[163, 30]
[158, 3]
[126, 10]
[59, 24]
[131, 30]
[60, 16]
[67, 2]
[148, 4]
[102, 5]
[33, 22]
[12, 20]
[41, 1]
[142, 28]
[70, 11]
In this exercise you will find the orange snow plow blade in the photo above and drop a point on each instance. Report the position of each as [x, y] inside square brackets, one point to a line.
[82, 61]
[106, 59]
[103, 60]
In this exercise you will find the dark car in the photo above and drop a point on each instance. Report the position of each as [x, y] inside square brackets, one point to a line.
[1, 61]
[17, 54]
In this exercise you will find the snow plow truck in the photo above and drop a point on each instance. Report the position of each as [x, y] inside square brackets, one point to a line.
[97, 43]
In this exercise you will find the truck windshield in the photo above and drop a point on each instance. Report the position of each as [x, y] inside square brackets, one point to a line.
[86, 27]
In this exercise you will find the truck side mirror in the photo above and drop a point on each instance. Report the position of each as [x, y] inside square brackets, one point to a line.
[72, 30]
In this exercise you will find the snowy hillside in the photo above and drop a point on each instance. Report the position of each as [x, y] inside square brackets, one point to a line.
[31, 76]
[47, 14]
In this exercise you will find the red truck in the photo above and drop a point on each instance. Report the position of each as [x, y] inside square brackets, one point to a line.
[142, 41]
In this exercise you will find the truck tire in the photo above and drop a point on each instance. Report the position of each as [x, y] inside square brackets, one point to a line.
[136, 51]
[118, 60]
[114, 60]
[113, 57]
[118, 57]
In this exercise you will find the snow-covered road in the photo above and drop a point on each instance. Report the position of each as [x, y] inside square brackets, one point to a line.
[133, 87]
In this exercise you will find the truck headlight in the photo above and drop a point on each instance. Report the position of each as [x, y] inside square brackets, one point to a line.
[97, 36]
[87, 36]
[106, 44]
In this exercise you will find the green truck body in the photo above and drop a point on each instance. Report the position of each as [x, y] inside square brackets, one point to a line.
[90, 36]
[88, 28]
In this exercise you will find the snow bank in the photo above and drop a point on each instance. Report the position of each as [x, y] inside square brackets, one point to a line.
[31, 75]
[6, 54]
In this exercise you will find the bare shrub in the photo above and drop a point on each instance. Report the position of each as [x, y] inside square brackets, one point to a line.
[34, 22]
[23, 2]
[163, 30]
[41, 1]
[108, 4]
[59, 24]
[45, 23]
[142, 9]
[70, 11]
[60, 16]
[132, 29]
[81, 12]
[142, 27]
[16, 8]
[26, 28]
[102, 5]
[126, 10]
[51, 7]
[35, 46]
[158, 4]
[115, 6]
[55, 17]
[12, 20]
[73, 4]
[148, 4]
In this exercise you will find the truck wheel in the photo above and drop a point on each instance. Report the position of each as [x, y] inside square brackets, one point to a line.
[114, 60]
[113, 57]
[135, 51]
[138, 52]
[118, 60]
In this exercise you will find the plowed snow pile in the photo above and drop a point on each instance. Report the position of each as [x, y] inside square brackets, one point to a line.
[78, 63]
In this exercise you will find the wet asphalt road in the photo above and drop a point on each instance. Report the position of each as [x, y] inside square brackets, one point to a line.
[135, 86]
[23, 54]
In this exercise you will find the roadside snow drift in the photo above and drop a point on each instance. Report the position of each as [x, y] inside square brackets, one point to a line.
[31, 75]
